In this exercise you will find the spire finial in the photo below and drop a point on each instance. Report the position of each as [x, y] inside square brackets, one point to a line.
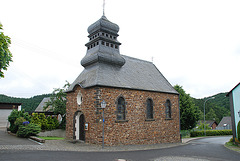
[103, 7]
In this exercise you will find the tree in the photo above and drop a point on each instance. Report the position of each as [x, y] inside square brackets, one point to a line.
[188, 111]
[5, 54]
[58, 102]
[211, 115]
[202, 125]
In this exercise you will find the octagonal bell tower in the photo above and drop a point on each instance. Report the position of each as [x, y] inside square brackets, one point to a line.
[103, 46]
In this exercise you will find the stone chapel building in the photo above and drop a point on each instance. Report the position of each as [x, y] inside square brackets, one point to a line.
[141, 105]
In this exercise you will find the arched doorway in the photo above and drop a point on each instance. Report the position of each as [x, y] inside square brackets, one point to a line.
[79, 122]
[81, 128]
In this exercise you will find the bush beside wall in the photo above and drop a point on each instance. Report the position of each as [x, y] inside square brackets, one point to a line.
[28, 130]
[238, 131]
[211, 133]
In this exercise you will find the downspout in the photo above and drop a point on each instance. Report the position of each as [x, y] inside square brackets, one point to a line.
[179, 118]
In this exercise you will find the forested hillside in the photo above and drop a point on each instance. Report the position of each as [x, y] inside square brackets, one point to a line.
[28, 104]
[215, 108]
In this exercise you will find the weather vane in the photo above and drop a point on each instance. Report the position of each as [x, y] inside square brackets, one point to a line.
[103, 7]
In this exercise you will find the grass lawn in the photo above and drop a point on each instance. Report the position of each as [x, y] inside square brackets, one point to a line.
[50, 138]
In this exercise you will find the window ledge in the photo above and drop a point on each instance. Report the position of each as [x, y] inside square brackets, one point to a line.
[168, 118]
[149, 119]
[121, 121]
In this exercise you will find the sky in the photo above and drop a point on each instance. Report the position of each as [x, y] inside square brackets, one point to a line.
[193, 43]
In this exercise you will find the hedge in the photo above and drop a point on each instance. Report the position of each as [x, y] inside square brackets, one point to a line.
[210, 133]
[238, 131]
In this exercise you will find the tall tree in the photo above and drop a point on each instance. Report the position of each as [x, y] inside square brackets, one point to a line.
[211, 115]
[58, 100]
[58, 103]
[188, 111]
[5, 54]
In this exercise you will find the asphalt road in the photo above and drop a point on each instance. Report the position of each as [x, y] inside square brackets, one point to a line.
[6, 139]
[200, 150]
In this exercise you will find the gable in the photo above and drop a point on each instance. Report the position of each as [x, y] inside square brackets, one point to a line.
[42, 104]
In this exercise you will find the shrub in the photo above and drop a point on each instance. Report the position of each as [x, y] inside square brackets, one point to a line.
[14, 116]
[201, 126]
[48, 123]
[52, 123]
[19, 121]
[238, 131]
[211, 133]
[28, 130]
[40, 119]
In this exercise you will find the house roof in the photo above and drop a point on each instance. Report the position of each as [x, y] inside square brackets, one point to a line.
[7, 105]
[225, 121]
[232, 89]
[42, 104]
[134, 74]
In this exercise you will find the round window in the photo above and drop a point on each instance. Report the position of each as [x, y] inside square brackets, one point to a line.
[79, 98]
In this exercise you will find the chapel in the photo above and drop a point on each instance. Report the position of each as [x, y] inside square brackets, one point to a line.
[142, 107]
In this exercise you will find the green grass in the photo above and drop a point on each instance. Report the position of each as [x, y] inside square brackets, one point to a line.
[50, 138]
[232, 146]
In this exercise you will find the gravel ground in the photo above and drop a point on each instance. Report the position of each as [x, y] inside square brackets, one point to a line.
[12, 142]
[64, 145]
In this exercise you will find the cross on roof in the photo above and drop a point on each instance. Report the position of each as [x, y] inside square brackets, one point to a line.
[103, 7]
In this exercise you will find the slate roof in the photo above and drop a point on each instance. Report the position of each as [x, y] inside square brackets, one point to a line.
[134, 74]
[42, 104]
[225, 121]
[103, 24]
[105, 66]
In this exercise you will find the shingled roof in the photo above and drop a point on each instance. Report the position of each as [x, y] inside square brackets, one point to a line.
[42, 104]
[226, 121]
[134, 74]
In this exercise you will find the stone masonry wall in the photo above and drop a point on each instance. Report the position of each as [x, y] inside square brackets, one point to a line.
[136, 130]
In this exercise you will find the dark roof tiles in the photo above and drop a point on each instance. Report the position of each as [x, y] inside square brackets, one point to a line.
[134, 74]
[104, 24]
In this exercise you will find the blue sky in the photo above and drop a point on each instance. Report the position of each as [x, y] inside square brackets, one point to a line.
[195, 44]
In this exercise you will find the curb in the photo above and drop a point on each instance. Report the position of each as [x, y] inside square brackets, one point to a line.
[187, 140]
[31, 137]
[37, 139]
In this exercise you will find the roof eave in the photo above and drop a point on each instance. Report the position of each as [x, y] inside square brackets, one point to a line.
[232, 90]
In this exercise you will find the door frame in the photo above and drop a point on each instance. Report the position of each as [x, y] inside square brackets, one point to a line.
[78, 126]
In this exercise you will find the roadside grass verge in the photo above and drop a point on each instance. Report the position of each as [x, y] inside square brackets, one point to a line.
[50, 138]
[230, 145]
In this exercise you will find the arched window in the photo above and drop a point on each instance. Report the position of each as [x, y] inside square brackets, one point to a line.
[168, 109]
[121, 109]
[149, 109]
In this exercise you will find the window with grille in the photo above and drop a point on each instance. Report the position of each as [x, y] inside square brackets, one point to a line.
[168, 109]
[149, 109]
[121, 109]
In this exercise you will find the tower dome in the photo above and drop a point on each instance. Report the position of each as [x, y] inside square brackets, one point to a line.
[104, 24]
[103, 46]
